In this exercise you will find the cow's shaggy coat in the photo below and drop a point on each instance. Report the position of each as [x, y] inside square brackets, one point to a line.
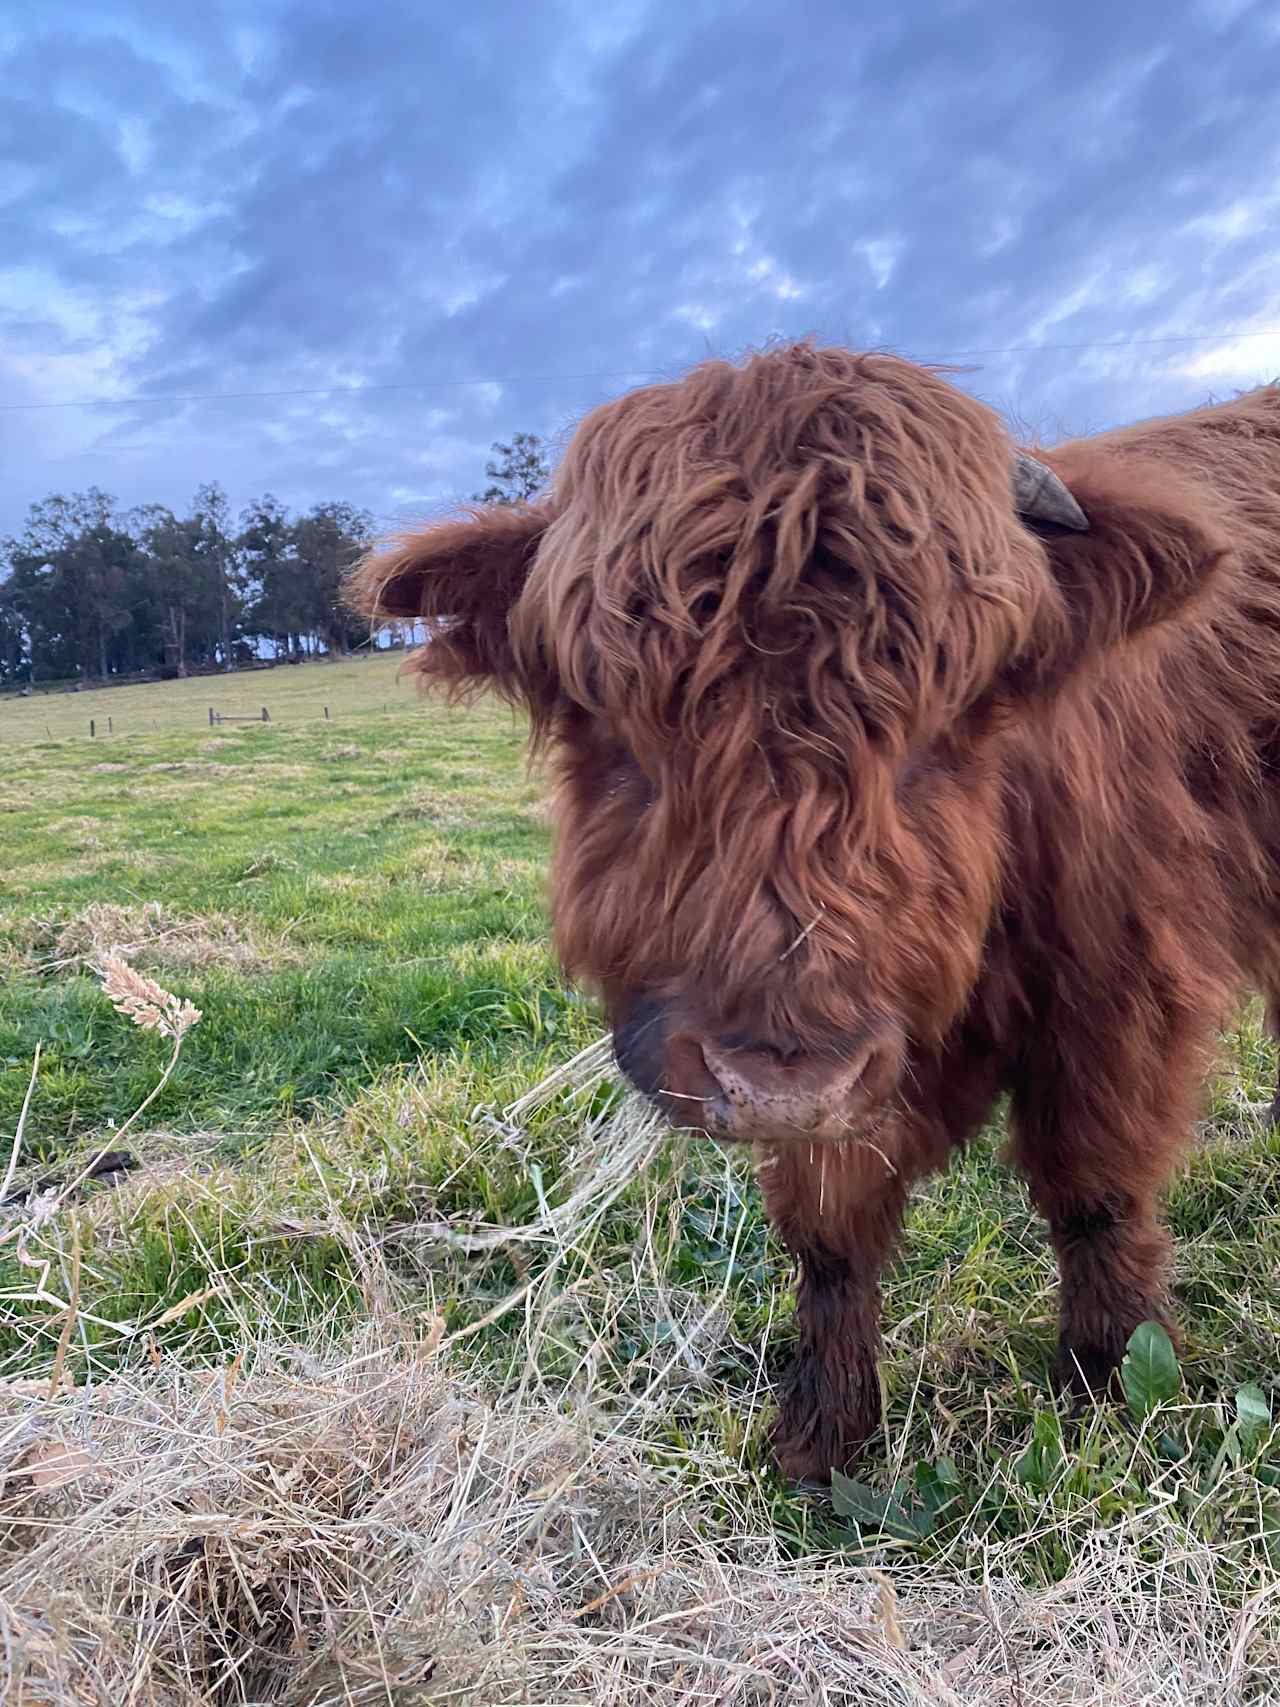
[877, 800]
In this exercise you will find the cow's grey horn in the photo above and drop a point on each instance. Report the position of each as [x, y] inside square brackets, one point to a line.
[1040, 496]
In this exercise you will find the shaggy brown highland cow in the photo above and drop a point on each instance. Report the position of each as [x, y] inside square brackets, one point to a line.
[897, 769]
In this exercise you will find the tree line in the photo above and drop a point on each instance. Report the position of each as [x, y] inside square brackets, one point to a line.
[91, 592]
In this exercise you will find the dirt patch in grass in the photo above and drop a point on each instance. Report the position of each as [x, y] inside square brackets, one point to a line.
[148, 936]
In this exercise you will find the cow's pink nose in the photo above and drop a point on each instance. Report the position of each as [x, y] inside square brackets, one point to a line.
[763, 1093]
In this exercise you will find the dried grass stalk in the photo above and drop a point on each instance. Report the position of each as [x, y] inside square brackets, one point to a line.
[142, 1000]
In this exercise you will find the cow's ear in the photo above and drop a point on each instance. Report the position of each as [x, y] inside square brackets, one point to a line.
[1151, 549]
[461, 578]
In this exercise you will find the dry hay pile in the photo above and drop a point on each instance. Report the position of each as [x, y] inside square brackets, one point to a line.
[323, 1528]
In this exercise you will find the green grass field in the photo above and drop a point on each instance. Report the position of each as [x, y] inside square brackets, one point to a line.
[356, 907]
[341, 897]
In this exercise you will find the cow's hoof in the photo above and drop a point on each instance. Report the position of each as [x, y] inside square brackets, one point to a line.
[807, 1452]
[1086, 1374]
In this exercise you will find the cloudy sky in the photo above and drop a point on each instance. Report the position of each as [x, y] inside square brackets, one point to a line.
[334, 250]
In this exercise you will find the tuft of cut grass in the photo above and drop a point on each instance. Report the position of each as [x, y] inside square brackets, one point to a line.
[147, 935]
[312, 1527]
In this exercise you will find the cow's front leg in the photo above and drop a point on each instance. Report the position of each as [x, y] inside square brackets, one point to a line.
[1113, 1258]
[838, 1210]
[1097, 1135]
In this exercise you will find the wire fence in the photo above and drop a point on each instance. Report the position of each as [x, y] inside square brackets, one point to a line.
[168, 704]
[378, 388]
[102, 728]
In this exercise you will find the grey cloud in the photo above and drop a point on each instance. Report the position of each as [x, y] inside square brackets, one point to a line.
[288, 196]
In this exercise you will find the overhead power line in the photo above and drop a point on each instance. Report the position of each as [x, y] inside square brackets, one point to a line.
[332, 390]
[569, 378]
[1118, 344]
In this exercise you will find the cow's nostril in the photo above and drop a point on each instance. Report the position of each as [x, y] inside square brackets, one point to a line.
[689, 1077]
[875, 1067]
[756, 1049]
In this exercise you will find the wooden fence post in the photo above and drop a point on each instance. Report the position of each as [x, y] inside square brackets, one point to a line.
[92, 730]
[211, 717]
